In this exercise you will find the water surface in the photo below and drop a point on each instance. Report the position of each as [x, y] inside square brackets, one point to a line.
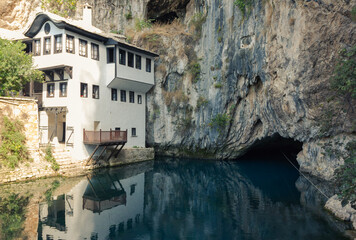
[184, 199]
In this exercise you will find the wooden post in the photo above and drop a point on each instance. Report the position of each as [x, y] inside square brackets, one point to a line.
[100, 134]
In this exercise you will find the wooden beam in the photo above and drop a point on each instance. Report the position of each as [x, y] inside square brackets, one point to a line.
[91, 156]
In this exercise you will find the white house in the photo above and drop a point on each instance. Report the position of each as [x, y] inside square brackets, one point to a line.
[95, 84]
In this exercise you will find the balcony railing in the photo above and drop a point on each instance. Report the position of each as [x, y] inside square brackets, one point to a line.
[104, 137]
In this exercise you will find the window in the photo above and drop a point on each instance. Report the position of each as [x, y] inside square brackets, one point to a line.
[148, 65]
[83, 90]
[132, 189]
[132, 97]
[110, 55]
[57, 44]
[129, 223]
[122, 57]
[29, 46]
[63, 89]
[133, 132]
[139, 99]
[70, 44]
[130, 59]
[83, 48]
[50, 89]
[123, 95]
[138, 61]
[95, 91]
[114, 94]
[121, 226]
[95, 51]
[37, 47]
[47, 46]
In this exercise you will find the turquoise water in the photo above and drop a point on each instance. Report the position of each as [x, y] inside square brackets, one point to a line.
[188, 199]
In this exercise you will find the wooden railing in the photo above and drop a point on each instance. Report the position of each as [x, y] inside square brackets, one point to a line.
[102, 137]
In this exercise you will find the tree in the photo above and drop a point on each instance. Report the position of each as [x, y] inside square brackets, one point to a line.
[16, 67]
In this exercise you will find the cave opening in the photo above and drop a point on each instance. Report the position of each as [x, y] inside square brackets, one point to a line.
[274, 147]
[166, 18]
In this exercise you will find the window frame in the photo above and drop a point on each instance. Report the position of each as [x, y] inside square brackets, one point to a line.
[122, 57]
[34, 50]
[60, 89]
[148, 65]
[60, 49]
[93, 47]
[123, 95]
[139, 98]
[133, 132]
[108, 60]
[94, 88]
[48, 88]
[131, 97]
[138, 61]
[131, 56]
[82, 95]
[83, 47]
[112, 95]
[47, 47]
[70, 39]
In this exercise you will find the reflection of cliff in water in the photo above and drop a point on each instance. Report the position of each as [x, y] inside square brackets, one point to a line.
[104, 205]
[228, 200]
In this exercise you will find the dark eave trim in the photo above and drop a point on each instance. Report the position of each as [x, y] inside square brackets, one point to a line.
[132, 48]
[42, 18]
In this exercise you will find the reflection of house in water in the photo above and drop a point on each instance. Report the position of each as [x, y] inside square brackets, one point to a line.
[99, 207]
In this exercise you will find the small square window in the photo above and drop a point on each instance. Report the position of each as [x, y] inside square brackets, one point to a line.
[95, 91]
[132, 97]
[83, 48]
[110, 55]
[123, 95]
[133, 132]
[138, 62]
[139, 99]
[148, 65]
[114, 94]
[50, 89]
[130, 59]
[63, 89]
[95, 51]
[83, 90]
[122, 57]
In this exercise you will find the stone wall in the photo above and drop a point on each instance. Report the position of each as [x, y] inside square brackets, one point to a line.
[26, 110]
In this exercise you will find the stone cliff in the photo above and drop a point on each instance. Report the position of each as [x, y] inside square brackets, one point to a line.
[228, 77]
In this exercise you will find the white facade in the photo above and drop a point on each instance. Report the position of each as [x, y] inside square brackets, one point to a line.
[66, 111]
[68, 218]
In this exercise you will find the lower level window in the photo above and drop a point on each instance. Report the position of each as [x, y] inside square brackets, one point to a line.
[139, 99]
[114, 94]
[95, 91]
[50, 89]
[63, 89]
[83, 90]
[132, 97]
[133, 132]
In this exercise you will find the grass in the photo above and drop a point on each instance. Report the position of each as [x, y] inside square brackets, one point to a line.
[49, 158]
[201, 102]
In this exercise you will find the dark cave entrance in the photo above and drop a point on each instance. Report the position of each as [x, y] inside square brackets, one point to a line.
[166, 18]
[274, 147]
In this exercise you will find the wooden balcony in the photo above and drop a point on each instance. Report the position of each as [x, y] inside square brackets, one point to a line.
[104, 138]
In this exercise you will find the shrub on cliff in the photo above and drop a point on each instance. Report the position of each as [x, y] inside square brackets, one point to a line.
[12, 147]
[16, 67]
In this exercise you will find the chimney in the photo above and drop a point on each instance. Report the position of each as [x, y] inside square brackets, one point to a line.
[87, 15]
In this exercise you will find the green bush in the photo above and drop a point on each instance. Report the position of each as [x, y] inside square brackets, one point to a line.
[218, 85]
[346, 176]
[220, 121]
[49, 158]
[197, 22]
[12, 149]
[12, 216]
[195, 69]
[63, 8]
[141, 24]
[244, 5]
[202, 101]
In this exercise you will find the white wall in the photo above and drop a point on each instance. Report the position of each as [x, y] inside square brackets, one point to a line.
[82, 112]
